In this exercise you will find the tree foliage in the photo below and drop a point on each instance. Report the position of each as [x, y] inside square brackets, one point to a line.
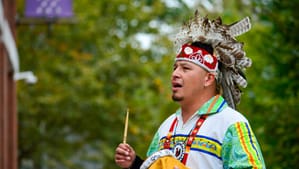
[119, 55]
[89, 74]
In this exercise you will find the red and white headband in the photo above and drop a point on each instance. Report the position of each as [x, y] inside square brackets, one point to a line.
[199, 56]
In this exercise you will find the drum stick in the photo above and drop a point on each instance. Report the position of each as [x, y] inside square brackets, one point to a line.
[126, 127]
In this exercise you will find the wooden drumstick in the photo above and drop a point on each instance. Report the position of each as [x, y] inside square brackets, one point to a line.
[126, 127]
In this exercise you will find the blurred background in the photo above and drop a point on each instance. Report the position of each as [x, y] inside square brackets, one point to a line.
[110, 55]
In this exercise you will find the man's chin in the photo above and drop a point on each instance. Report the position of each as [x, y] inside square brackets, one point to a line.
[176, 98]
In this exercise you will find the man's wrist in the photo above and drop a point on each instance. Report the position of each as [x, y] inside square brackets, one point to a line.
[136, 163]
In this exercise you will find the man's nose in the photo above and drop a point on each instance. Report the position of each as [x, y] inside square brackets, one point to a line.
[176, 73]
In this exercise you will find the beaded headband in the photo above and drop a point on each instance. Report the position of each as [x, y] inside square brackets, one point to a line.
[198, 56]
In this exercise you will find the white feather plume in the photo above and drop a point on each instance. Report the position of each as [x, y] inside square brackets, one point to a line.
[240, 27]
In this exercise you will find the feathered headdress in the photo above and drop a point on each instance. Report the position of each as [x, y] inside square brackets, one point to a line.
[228, 51]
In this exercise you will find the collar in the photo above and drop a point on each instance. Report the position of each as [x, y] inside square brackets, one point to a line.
[218, 106]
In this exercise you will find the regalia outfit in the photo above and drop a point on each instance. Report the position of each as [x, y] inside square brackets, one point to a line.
[225, 139]
[216, 136]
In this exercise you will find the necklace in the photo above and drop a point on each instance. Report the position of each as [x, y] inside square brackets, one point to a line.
[179, 146]
[180, 149]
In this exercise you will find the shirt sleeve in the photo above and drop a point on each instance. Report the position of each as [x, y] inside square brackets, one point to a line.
[240, 148]
[154, 146]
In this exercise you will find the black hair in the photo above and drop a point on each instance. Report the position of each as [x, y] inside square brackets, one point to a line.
[204, 46]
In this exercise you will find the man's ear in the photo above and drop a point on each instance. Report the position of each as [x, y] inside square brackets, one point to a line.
[209, 79]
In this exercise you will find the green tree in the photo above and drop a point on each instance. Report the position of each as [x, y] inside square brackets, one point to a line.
[89, 74]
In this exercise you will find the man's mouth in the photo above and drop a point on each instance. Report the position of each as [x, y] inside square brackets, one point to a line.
[176, 85]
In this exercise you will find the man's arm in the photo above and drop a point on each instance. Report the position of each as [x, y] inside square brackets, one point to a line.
[240, 148]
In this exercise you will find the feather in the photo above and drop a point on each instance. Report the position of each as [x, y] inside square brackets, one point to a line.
[239, 80]
[244, 62]
[225, 57]
[227, 94]
[240, 27]
[236, 94]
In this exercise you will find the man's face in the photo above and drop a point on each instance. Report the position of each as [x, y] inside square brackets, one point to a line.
[187, 81]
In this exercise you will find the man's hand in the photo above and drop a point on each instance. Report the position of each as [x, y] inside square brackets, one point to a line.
[124, 155]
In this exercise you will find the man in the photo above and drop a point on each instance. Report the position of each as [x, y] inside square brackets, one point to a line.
[206, 132]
